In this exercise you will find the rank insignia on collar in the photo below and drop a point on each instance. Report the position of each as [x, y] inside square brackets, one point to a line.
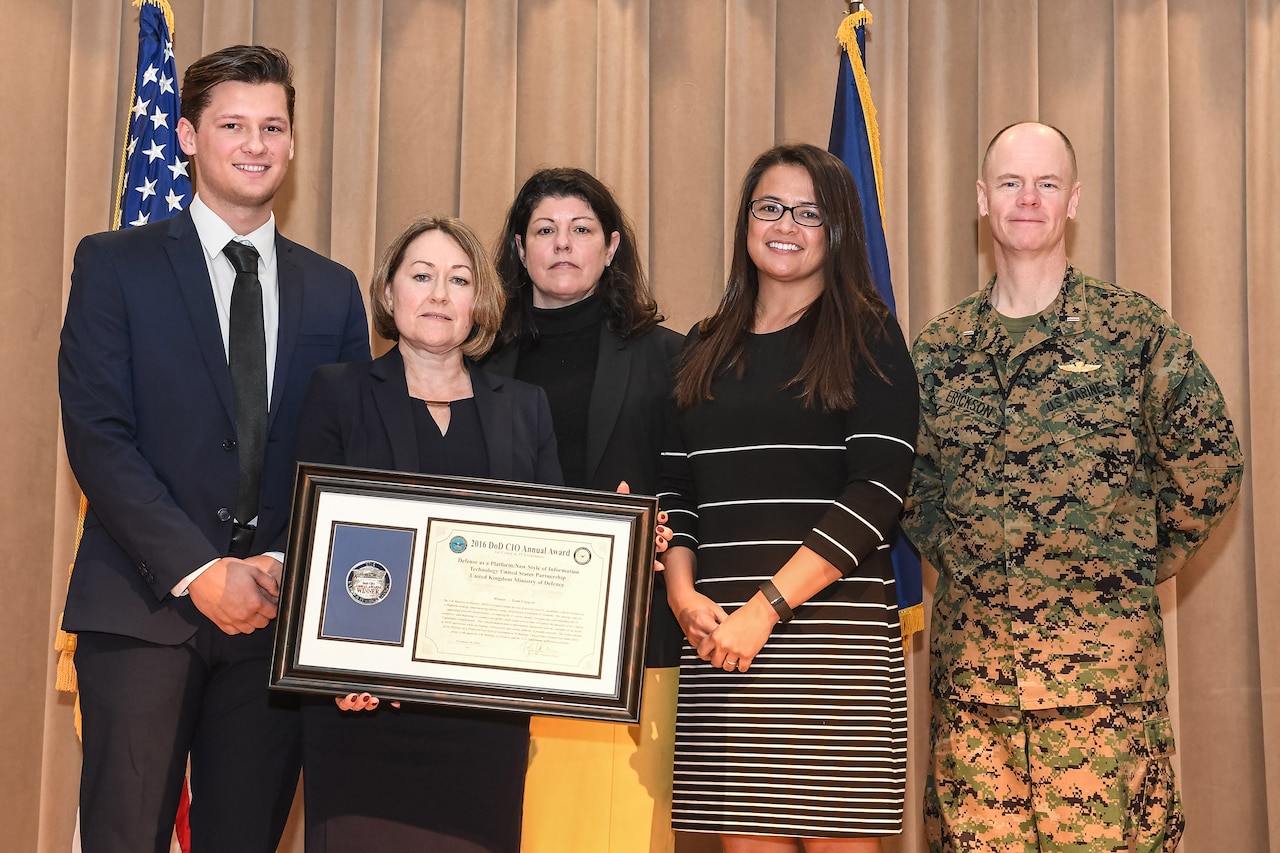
[1078, 366]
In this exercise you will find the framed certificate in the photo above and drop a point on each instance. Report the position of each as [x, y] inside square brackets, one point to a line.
[457, 591]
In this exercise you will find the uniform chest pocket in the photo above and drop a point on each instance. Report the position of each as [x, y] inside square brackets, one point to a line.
[1098, 454]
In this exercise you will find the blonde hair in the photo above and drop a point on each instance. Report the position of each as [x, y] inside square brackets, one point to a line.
[486, 309]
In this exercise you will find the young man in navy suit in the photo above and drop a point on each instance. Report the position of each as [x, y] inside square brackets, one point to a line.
[171, 333]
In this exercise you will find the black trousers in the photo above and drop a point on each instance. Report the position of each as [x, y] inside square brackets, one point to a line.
[146, 706]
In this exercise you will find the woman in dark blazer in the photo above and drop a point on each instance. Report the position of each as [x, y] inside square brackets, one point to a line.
[418, 777]
[581, 323]
[369, 421]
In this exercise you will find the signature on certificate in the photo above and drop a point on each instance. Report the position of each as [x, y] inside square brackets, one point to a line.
[536, 649]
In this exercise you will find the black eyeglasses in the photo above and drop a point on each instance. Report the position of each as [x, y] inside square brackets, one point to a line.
[768, 210]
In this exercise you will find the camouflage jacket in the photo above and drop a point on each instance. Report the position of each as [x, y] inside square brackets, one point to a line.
[1055, 484]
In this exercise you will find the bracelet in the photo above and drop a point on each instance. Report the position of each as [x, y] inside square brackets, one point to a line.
[776, 601]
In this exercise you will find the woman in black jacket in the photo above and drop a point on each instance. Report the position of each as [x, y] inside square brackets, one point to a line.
[581, 323]
[423, 777]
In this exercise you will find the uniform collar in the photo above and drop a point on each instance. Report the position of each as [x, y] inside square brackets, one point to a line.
[1066, 315]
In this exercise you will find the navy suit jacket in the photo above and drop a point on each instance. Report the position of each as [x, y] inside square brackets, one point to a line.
[149, 417]
[626, 427]
[362, 415]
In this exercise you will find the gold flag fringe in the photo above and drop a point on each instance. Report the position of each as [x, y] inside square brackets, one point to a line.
[847, 35]
[911, 621]
[164, 7]
[65, 643]
[116, 211]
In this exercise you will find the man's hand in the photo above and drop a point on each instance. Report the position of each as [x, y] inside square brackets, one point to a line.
[270, 565]
[237, 595]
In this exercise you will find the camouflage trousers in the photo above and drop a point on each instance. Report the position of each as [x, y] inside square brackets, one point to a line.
[1067, 780]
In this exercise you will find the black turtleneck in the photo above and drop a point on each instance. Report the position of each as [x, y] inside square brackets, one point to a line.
[563, 361]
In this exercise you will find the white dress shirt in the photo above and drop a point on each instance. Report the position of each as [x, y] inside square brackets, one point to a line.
[214, 235]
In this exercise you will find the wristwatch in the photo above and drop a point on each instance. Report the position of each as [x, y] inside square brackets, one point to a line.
[777, 602]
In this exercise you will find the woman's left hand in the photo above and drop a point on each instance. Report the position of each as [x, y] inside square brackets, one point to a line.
[662, 533]
[736, 641]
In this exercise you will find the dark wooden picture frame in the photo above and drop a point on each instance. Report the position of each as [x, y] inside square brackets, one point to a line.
[466, 592]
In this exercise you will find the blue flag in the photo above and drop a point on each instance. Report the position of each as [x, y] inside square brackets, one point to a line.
[154, 179]
[855, 139]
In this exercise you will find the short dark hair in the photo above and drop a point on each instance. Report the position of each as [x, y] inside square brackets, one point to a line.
[486, 308]
[846, 315]
[241, 63]
[1071, 151]
[628, 305]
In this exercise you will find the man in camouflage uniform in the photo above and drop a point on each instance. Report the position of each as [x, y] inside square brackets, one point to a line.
[1074, 451]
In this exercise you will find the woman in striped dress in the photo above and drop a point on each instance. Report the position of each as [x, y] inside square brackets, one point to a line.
[791, 450]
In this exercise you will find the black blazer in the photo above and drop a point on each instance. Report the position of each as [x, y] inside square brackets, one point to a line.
[625, 426]
[149, 417]
[362, 415]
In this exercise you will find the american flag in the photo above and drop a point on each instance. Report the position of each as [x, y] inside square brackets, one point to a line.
[154, 179]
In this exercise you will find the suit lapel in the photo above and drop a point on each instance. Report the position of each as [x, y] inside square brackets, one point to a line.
[496, 421]
[290, 283]
[608, 390]
[192, 274]
[391, 396]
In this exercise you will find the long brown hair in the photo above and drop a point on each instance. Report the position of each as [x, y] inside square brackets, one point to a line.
[837, 324]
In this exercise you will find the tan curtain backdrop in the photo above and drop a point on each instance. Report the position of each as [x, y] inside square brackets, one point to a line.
[445, 105]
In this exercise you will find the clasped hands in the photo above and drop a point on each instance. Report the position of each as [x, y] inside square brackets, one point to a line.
[729, 641]
[239, 596]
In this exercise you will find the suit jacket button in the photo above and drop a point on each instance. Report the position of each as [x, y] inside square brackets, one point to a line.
[224, 514]
[228, 444]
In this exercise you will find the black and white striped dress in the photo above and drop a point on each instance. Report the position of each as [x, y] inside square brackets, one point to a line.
[811, 741]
